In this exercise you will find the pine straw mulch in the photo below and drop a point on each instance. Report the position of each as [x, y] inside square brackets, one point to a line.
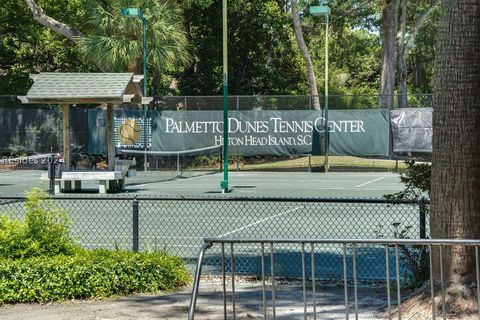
[460, 304]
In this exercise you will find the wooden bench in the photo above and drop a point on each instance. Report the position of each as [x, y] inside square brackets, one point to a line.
[107, 180]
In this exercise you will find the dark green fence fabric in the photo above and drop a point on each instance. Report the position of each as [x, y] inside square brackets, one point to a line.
[272, 132]
[367, 132]
[37, 129]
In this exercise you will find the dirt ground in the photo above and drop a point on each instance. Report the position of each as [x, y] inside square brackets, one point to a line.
[174, 305]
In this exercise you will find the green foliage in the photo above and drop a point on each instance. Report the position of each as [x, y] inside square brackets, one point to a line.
[44, 231]
[416, 178]
[27, 47]
[263, 57]
[417, 182]
[39, 261]
[185, 43]
[422, 55]
[88, 274]
[115, 43]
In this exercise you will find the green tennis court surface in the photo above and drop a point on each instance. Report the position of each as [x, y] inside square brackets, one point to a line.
[169, 220]
[295, 184]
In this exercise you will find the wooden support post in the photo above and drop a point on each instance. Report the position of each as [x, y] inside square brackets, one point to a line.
[110, 138]
[67, 157]
[66, 137]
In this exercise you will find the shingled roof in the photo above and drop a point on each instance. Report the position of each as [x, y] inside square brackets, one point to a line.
[77, 88]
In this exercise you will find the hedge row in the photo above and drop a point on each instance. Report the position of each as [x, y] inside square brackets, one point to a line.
[88, 274]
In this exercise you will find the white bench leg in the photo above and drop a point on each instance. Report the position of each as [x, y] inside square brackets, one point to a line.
[58, 188]
[102, 186]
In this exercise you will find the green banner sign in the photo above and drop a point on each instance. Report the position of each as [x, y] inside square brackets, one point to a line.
[352, 132]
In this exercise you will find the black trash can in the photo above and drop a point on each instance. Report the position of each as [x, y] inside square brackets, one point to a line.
[58, 168]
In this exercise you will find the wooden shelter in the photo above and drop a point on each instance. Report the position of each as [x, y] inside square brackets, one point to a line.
[66, 89]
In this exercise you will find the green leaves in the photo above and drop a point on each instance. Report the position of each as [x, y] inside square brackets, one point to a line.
[89, 274]
[44, 231]
[115, 43]
[417, 179]
[28, 47]
[39, 261]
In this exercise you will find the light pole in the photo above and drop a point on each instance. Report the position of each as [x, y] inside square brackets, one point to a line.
[224, 182]
[138, 13]
[324, 10]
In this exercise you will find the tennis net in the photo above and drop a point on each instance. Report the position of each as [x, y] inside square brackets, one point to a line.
[170, 165]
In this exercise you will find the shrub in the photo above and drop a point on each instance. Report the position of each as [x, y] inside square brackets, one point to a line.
[39, 261]
[416, 178]
[45, 230]
[88, 274]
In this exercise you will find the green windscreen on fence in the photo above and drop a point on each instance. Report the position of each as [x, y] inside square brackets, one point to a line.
[257, 132]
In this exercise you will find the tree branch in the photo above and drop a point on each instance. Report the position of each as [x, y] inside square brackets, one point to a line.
[57, 26]
[418, 25]
[352, 10]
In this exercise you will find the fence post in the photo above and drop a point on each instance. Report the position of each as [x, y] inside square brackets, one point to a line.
[135, 223]
[422, 206]
[52, 174]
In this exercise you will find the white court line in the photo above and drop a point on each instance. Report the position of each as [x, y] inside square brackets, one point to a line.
[368, 182]
[259, 221]
[173, 181]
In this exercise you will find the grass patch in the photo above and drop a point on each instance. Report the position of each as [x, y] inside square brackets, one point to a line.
[317, 161]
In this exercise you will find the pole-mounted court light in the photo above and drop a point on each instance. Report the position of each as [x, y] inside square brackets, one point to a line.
[324, 11]
[138, 13]
[224, 182]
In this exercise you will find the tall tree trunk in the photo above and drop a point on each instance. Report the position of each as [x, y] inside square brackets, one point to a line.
[312, 81]
[388, 37]
[455, 209]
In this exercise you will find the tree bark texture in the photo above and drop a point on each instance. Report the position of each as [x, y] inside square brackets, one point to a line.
[455, 193]
[57, 26]
[312, 81]
[388, 37]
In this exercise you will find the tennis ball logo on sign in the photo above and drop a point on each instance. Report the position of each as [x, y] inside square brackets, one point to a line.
[129, 132]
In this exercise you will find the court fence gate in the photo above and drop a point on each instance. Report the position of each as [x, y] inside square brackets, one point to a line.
[267, 309]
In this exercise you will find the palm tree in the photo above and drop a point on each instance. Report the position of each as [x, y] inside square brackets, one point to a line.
[115, 43]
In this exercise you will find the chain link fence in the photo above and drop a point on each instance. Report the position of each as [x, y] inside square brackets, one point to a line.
[288, 102]
[27, 133]
[178, 225]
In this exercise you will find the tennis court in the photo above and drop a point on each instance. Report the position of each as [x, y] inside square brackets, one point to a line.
[294, 184]
[176, 215]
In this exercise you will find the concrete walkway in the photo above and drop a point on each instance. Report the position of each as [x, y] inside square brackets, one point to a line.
[289, 303]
